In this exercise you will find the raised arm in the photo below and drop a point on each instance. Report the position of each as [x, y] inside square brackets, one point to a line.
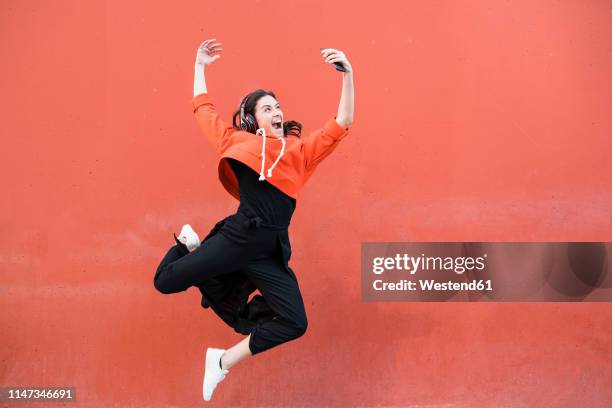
[217, 131]
[347, 97]
[322, 142]
[204, 56]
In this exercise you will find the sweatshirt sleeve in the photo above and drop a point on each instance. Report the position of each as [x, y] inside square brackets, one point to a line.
[320, 143]
[216, 130]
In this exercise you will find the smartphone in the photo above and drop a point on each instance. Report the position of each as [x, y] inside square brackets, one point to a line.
[338, 65]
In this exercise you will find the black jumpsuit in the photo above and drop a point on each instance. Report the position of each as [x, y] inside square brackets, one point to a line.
[247, 242]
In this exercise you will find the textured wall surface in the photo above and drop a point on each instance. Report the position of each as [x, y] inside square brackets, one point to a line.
[474, 121]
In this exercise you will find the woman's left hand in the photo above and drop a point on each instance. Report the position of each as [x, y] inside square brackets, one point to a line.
[332, 55]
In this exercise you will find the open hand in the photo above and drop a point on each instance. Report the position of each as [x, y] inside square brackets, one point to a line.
[204, 55]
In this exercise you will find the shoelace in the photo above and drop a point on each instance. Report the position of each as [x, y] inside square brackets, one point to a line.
[262, 132]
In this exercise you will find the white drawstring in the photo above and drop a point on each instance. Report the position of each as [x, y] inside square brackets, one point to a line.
[282, 139]
[262, 132]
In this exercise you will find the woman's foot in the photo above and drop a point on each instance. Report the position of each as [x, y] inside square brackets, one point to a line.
[189, 237]
[213, 373]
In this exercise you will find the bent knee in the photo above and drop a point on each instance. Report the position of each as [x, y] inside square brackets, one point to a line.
[159, 285]
[300, 327]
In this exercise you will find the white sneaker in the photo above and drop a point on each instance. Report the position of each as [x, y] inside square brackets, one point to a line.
[213, 374]
[193, 241]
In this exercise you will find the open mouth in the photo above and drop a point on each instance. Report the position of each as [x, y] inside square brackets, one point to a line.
[277, 125]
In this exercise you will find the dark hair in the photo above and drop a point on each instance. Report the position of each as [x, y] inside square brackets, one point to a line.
[290, 127]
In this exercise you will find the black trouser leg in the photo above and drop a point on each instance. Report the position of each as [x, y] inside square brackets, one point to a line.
[174, 253]
[179, 270]
[282, 293]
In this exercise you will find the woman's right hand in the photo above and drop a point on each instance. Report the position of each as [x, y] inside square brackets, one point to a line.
[204, 55]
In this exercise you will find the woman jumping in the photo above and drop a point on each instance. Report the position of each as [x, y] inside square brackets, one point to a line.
[264, 164]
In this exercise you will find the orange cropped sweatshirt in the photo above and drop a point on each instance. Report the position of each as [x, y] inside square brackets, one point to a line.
[287, 162]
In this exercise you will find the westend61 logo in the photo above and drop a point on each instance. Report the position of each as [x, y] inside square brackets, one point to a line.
[486, 271]
[413, 264]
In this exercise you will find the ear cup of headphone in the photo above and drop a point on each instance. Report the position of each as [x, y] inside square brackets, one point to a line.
[248, 123]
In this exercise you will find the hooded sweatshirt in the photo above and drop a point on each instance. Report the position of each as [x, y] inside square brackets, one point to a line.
[286, 163]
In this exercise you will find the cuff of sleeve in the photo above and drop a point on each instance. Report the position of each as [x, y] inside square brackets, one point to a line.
[181, 248]
[335, 130]
[199, 100]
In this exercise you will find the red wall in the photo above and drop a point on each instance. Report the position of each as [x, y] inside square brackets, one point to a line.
[474, 121]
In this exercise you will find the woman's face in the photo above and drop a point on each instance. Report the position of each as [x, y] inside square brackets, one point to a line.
[269, 115]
